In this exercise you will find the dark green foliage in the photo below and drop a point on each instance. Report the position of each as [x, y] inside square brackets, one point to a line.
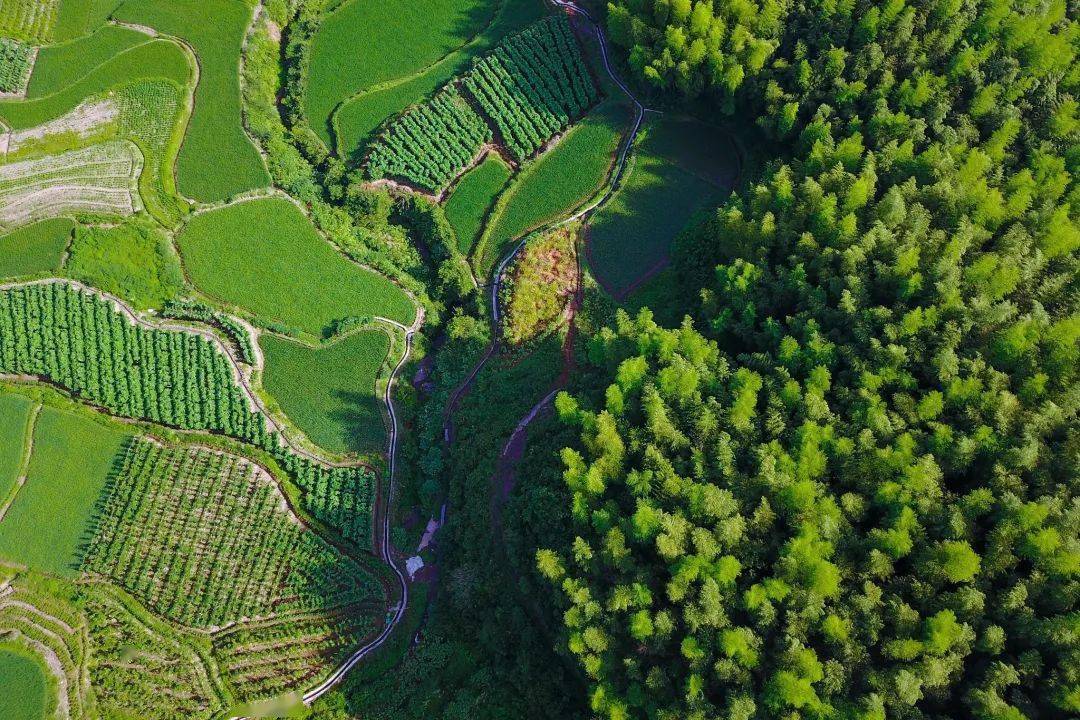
[533, 85]
[201, 312]
[431, 144]
[14, 65]
[855, 496]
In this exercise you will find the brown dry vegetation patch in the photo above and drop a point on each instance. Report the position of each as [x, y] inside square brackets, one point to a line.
[540, 285]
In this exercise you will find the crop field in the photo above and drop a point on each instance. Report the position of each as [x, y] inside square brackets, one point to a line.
[81, 342]
[16, 412]
[159, 59]
[472, 198]
[35, 249]
[206, 538]
[51, 516]
[533, 85]
[15, 63]
[217, 159]
[630, 237]
[58, 66]
[142, 666]
[431, 144]
[265, 257]
[25, 684]
[554, 183]
[269, 659]
[349, 53]
[29, 20]
[329, 392]
[357, 119]
[100, 180]
[134, 261]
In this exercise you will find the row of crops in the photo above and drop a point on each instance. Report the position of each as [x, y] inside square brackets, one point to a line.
[432, 143]
[531, 87]
[30, 20]
[269, 659]
[205, 538]
[83, 343]
[98, 180]
[534, 85]
[15, 62]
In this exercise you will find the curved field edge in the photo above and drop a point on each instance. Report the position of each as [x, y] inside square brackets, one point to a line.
[265, 257]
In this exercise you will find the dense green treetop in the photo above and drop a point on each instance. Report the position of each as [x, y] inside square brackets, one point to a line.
[854, 493]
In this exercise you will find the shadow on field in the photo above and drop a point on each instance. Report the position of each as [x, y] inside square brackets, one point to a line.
[360, 421]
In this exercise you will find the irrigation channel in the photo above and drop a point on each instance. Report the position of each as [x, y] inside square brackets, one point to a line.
[385, 550]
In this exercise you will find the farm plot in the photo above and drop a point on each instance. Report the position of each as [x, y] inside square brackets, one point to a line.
[205, 538]
[473, 197]
[81, 342]
[142, 667]
[35, 249]
[431, 144]
[99, 180]
[58, 66]
[349, 52]
[533, 85]
[25, 683]
[269, 659]
[76, 18]
[15, 414]
[51, 516]
[38, 616]
[16, 60]
[555, 183]
[266, 257]
[217, 159]
[29, 20]
[329, 392]
[630, 237]
[357, 118]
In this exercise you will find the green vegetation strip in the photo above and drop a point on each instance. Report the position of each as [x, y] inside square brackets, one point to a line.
[58, 66]
[473, 197]
[15, 413]
[265, 257]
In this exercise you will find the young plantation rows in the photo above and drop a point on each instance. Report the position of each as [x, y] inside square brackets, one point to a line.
[30, 20]
[431, 144]
[99, 180]
[534, 85]
[15, 62]
[531, 87]
[82, 343]
[205, 539]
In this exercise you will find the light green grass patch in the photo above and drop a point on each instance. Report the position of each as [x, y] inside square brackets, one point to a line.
[15, 413]
[266, 257]
[472, 198]
[357, 118]
[329, 392]
[24, 685]
[352, 50]
[51, 517]
[217, 159]
[555, 183]
[134, 261]
[35, 249]
[61, 65]
[28, 20]
[679, 166]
